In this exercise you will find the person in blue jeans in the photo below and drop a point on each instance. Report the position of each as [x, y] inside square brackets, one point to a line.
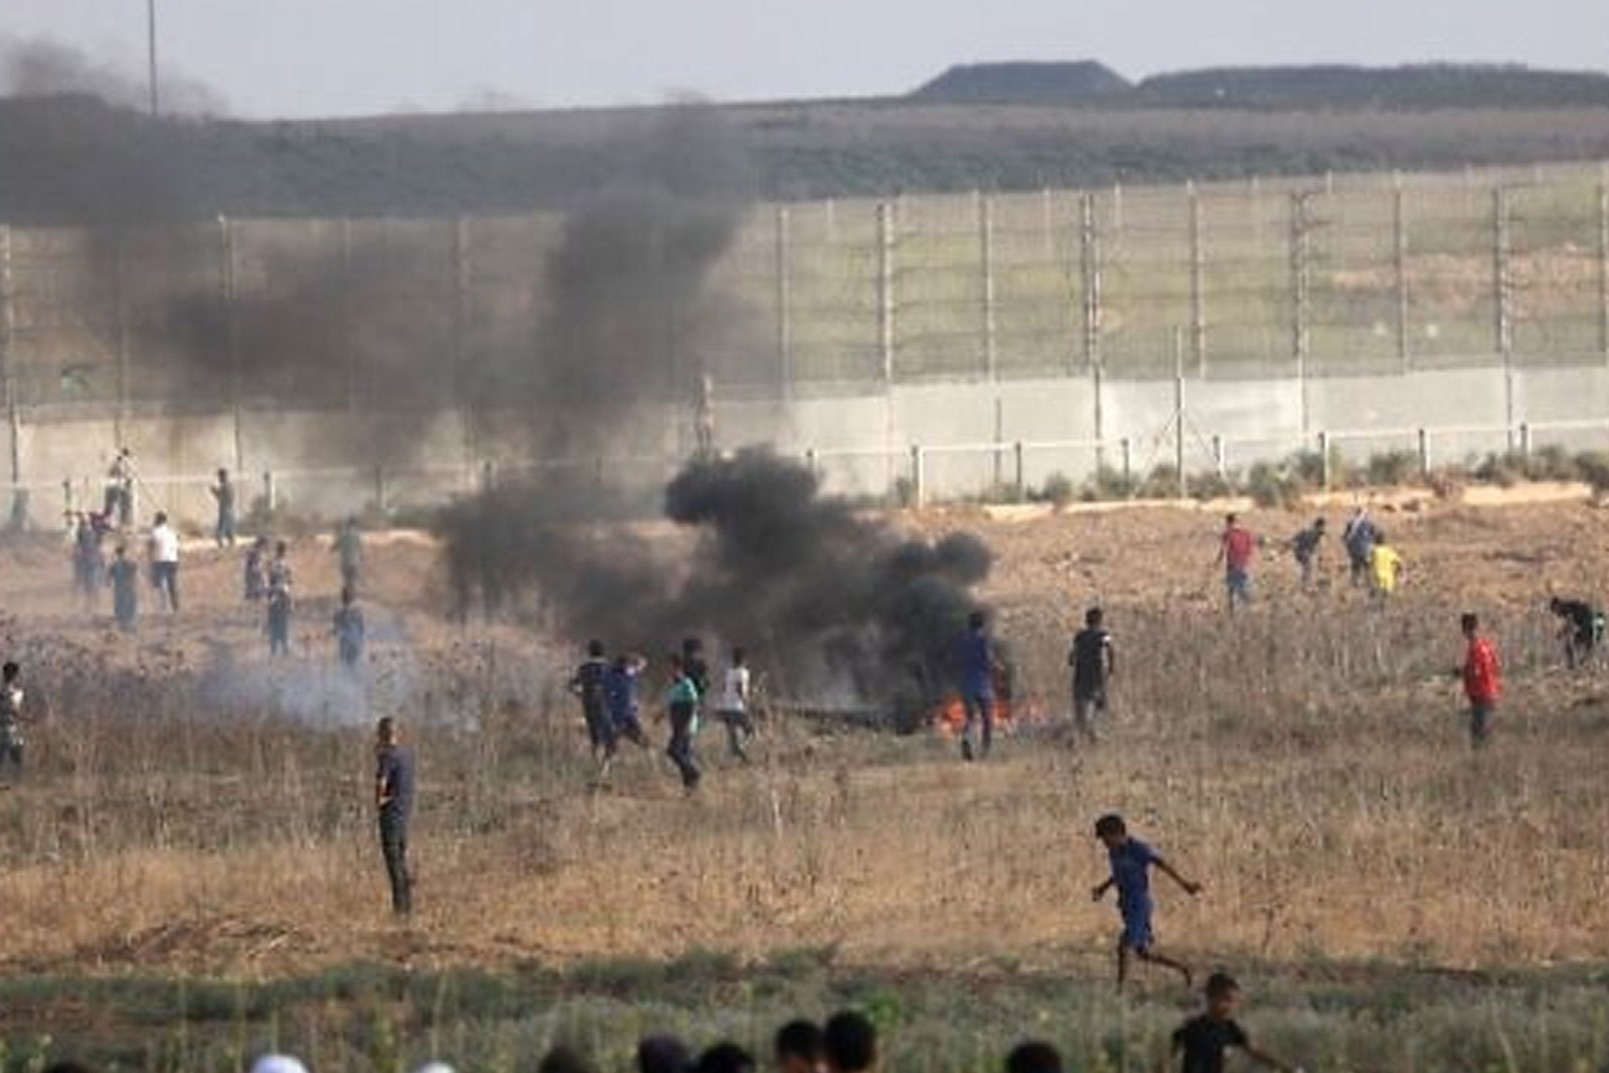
[681, 704]
[977, 661]
[1132, 861]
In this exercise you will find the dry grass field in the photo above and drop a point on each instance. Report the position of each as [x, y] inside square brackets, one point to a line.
[192, 814]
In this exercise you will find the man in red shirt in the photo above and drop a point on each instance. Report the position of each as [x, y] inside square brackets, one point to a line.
[1483, 680]
[1235, 552]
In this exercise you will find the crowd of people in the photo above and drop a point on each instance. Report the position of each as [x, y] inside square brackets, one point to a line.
[268, 580]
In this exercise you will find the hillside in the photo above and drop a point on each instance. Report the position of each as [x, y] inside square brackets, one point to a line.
[75, 159]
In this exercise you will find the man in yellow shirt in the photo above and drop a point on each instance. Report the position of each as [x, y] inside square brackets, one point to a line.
[1385, 567]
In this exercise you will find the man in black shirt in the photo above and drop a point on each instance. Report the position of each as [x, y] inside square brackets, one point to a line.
[393, 800]
[695, 666]
[1093, 665]
[588, 686]
[1305, 548]
[1581, 631]
[1202, 1041]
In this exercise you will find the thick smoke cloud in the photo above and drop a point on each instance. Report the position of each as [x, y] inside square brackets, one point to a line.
[838, 606]
[42, 68]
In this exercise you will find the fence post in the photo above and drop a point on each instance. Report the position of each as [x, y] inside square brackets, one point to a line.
[785, 300]
[120, 299]
[8, 352]
[986, 261]
[1424, 452]
[1324, 458]
[1019, 461]
[1198, 297]
[1503, 283]
[1089, 246]
[488, 475]
[1127, 447]
[1525, 440]
[1301, 242]
[885, 289]
[812, 462]
[270, 491]
[1603, 261]
[1399, 229]
[1220, 454]
[231, 294]
[918, 477]
[67, 495]
[380, 489]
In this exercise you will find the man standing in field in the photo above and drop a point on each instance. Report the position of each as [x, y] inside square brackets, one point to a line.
[123, 575]
[1236, 549]
[681, 705]
[978, 662]
[734, 705]
[224, 493]
[1358, 536]
[393, 802]
[1093, 663]
[1483, 682]
[1131, 862]
[164, 545]
[351, 632]
[348, 549]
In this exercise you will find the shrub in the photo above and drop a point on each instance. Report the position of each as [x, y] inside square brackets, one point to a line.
[1593, 466]
[1393, 467]
[1162, 483]
[1271, 485]
[1110, 484]
[1057, 491]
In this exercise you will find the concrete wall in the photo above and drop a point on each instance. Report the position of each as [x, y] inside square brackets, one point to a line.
[860, 435]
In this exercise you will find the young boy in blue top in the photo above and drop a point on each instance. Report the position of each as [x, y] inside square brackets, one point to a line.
[1131, 864]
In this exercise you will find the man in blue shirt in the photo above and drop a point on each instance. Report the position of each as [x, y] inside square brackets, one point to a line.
[977, 662]
[1131, 863]
[393, 800]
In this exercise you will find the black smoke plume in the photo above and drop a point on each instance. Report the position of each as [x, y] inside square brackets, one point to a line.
[838, 607]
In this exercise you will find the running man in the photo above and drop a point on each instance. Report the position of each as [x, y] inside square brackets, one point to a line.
[588, 685]
[733, 710]
[1131, 874]
[1201, 1042]
[620, 694]
[681, 705]
[1580, 628]
[1093, 662]
[164, 546]
[1236, 549]
[978, 662]
[1483, 679]
[1305, 549]
[348, 549]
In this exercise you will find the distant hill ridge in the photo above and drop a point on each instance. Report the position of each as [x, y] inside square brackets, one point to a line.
[1407, 88]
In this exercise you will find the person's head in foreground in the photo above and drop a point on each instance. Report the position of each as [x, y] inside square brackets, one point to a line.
[850, 1043]
[1223, 996]
[799, 1048]
[1034, 1056]
[1111, 830]
[1470, 624]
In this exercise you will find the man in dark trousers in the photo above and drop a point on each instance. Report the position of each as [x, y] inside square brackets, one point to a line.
[1093, 664]
[393, 800]
[1581, 628]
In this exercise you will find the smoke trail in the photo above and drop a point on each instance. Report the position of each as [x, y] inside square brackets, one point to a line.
[42, 68]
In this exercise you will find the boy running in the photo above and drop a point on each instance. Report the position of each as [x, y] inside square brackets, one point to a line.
[1202, 1041]
[734, 706]
[1093, 664]
[1131, 863]
[1483, 680]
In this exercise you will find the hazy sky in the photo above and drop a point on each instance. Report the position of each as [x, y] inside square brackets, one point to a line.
[328, 57]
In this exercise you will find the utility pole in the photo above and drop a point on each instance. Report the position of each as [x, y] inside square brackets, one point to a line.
[150, 42]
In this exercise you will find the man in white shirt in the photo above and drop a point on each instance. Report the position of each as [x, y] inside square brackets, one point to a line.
[733, 709]
[165, 561]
